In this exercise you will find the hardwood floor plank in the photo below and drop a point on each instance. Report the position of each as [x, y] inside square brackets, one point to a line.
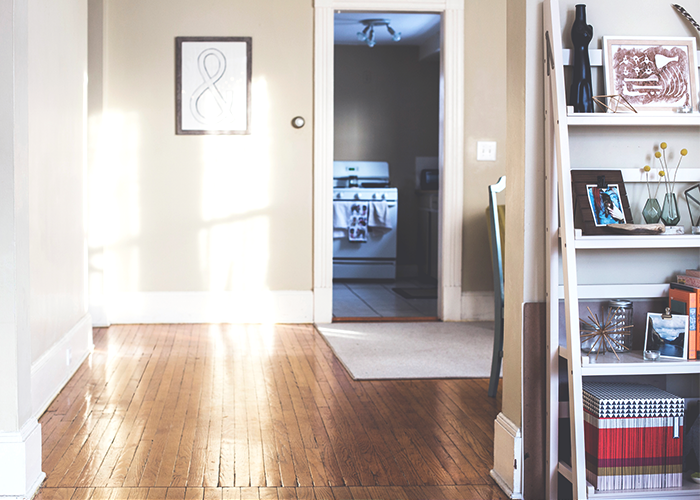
[227, 412]
[342, 493]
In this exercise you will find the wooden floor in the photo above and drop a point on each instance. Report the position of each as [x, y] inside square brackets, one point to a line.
[258, 412]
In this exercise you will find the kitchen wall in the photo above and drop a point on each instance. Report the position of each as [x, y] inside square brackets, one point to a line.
[387, 109]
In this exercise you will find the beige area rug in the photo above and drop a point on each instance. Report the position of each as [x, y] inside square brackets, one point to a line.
[412, 350]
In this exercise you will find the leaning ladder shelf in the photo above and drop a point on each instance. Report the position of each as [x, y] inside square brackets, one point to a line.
[562, 245]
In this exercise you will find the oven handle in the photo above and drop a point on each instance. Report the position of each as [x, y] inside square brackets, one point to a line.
[390, 204]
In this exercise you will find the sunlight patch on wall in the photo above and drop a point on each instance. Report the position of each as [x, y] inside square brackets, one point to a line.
[115, 190]
[234, 241]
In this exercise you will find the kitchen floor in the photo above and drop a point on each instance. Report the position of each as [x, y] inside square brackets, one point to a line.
[371, 299]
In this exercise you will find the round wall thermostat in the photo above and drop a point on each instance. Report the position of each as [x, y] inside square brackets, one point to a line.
[298, 122]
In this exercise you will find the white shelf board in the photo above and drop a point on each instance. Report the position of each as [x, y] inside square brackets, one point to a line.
[627, 119]
[630, 242]
[688, 490]
[595, 56]
[632, 363]
[629, 291]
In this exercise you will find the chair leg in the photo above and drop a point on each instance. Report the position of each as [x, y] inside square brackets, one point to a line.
[496, 357]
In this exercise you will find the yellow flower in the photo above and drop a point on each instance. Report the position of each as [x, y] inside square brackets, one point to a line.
[647, 168]
[663, 145]
[684, 152]
[661, 173]
[658, 154]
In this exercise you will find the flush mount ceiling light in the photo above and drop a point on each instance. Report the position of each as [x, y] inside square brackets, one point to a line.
[367, 34]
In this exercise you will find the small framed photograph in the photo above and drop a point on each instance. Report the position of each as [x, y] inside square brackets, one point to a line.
[600, 199]
[605, 204]
[669, 336]
[652, 73]
[212, 85]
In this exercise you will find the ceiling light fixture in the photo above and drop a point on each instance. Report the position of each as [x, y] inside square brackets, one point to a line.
[367, 34]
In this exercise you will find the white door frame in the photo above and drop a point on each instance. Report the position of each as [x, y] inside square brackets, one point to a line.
[451, 155]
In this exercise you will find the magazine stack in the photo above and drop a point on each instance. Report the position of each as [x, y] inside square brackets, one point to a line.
[633, 435]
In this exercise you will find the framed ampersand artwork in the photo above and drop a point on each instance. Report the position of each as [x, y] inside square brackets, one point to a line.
[213, 79]
[652, 74]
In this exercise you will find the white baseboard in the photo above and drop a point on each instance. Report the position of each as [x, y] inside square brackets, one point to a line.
[97, 311]
[477, 306]
[210, 307]
[323, 305]
[56, 366]
[507, 456]
[450, 303]
[20, 462]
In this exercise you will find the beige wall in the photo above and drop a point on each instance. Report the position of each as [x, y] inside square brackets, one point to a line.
[57, 86]
[525, 251]
[205, 213]
[485, 114]
[387, 109]
[195, 213]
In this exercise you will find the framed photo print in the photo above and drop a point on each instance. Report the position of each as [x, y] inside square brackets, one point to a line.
[652, 74]
[212, 85]
[600, 199]
[667, 335]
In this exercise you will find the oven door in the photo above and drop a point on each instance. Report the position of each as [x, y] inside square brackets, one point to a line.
[373, 259]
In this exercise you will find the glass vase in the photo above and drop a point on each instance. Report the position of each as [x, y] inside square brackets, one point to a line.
[651, 211]
[669, 213]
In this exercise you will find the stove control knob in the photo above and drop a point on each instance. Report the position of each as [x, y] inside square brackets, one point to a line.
[357, 196]
[374, 196]
[383, 196]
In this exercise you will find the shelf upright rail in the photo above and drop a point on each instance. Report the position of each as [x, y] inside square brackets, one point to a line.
[552, 279]
[564, 227]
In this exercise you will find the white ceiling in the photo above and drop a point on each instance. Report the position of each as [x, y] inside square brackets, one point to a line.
[415, 29]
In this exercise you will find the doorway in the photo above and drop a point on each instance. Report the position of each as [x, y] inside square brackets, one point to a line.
[450, 156]
[387, 111]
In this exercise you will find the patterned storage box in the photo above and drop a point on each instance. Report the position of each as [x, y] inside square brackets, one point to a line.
[634, 436]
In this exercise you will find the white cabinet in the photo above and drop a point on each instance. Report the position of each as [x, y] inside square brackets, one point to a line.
[582, 268]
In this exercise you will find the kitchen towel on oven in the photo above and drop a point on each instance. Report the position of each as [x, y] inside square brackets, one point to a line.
[357, 229]
[350, 217]
[379, 215]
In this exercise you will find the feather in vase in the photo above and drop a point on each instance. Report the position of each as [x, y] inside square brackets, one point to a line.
[687, 15]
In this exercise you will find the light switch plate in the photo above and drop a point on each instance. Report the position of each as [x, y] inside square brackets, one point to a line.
[486, 151]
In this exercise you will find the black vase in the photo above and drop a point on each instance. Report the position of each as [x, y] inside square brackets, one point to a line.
[581, 93]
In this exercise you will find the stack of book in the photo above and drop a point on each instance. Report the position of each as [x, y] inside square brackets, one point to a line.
[684, 298]
[634, 436]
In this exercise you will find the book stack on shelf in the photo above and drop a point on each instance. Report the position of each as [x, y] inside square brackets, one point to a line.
[684, 298]
[633, 435]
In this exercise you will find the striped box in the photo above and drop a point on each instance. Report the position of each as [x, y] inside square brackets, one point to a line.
[634, 436]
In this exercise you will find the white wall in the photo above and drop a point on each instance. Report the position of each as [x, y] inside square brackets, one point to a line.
[57, 99]
[60, 326]
[43, 316]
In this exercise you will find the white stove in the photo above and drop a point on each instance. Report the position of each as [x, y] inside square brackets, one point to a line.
[366, 250]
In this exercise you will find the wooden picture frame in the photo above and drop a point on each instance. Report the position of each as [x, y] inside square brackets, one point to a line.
[600, 198]
[669, 336]
[212, 85]
[652, 73]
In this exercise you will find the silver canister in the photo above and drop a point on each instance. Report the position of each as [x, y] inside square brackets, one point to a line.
[619, 316]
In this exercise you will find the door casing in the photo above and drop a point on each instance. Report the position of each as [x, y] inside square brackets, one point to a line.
[451, 152]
